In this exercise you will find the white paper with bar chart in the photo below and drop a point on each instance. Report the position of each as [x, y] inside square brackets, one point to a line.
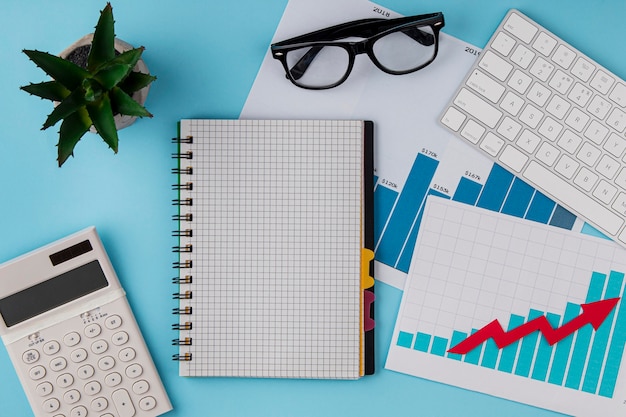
[271, 236]
[557, 296]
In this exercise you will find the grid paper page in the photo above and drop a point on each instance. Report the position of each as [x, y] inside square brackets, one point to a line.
[472, 266]
[276, 248]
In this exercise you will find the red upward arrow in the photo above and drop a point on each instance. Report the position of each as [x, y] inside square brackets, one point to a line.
[593, 313]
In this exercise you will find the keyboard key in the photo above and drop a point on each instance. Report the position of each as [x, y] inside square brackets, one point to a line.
[485, 86]
[550, 129]
[566, 166]
[561, 82]
[580, 95]
[519, 27]
[495, 65]
[503, 43]
[542, 69]
[564, 56]
[588, 154]
[544, 44]
[596, 132]
[569, 141]
[583, 69]
[539, 94]
[602, 82]
[522, 56]
[558, 107]
[605, 192]
[615, 145]
[512, 103]
[620, 204]
[577, 120]
[531, 116]
[478, 108]
[547, 154]
[571, 197]
[618, 95]
[617, 120]
[599, 107]
[509, 128]
[513, 158]
[520, 82]
[586, 179]
[492, 144]
[453, 119]
[473, 131]
[528, 141]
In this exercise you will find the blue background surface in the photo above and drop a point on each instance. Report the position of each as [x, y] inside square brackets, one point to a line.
[206, 54]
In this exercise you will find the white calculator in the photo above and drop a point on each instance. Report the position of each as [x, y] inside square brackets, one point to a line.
[72, 336]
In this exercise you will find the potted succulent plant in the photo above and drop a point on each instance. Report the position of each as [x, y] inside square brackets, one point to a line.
[103, 92]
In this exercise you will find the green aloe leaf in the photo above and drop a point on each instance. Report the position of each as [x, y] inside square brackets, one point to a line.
[101, 115]
[118, 69]
[102, 46]
[50, 90]
[125, 104]
[72, 129]
[136, 81]
[66, 107]
[65, 72]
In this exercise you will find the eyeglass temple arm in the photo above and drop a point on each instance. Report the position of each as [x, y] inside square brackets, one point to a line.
[300, 67]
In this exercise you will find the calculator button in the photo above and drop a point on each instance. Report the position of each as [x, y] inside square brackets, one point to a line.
[133, 371]
[106, 363]
[141, 387]
[79, 355]
[30, 356]
[127, 354]
[113, 379]
[147, 403]
[58, 364]
[122, 402]
[79, 411]
[119, 338]
[51, 405]
[99, 404]
[93, 330]
[44, 389]
[51, 347]
[86, 372]
[71, 339]
[113, 322]
[71, 397]
[99, 346]
[93, 388]
[37, 372]
[65, 380]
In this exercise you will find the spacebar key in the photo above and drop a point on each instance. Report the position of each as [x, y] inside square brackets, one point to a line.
[571, 197]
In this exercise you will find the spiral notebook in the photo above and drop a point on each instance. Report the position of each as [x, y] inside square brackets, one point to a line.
[276, 248]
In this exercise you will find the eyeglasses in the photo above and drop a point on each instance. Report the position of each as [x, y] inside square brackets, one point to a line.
[318, 61]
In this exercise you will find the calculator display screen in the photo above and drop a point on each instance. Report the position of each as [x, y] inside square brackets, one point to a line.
[52, 293]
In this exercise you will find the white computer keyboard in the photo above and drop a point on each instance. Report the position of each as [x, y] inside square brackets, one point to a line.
[550, 115]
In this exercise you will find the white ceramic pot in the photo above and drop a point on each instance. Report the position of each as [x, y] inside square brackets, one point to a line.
[121, 121]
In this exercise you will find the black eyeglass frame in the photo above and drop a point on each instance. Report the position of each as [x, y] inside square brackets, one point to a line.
[371, 30]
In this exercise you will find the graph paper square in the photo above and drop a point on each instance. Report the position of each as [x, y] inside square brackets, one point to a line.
[277, 238]
[472, 266]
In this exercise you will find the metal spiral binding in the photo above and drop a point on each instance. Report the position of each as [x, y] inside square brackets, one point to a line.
[182, 326]
[182, 358]
[188, 217]
[182, 247]
[187, 279]
[183, 311]
[182, 342]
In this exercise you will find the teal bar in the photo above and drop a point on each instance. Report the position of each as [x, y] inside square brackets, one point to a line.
[581, 347]
[563, 348]
[507, 359]
[490, 357]
[405, 339]
[422, 341]
[457, 337]
[440, 345]
[601, 339]
[474, 356]
[616, 349]
[544, 351]
[528, 348]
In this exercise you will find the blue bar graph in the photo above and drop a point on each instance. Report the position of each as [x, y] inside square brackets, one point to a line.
[588, 360]
[398, 215]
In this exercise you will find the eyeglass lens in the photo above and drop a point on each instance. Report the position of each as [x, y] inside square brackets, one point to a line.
[400, 51]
